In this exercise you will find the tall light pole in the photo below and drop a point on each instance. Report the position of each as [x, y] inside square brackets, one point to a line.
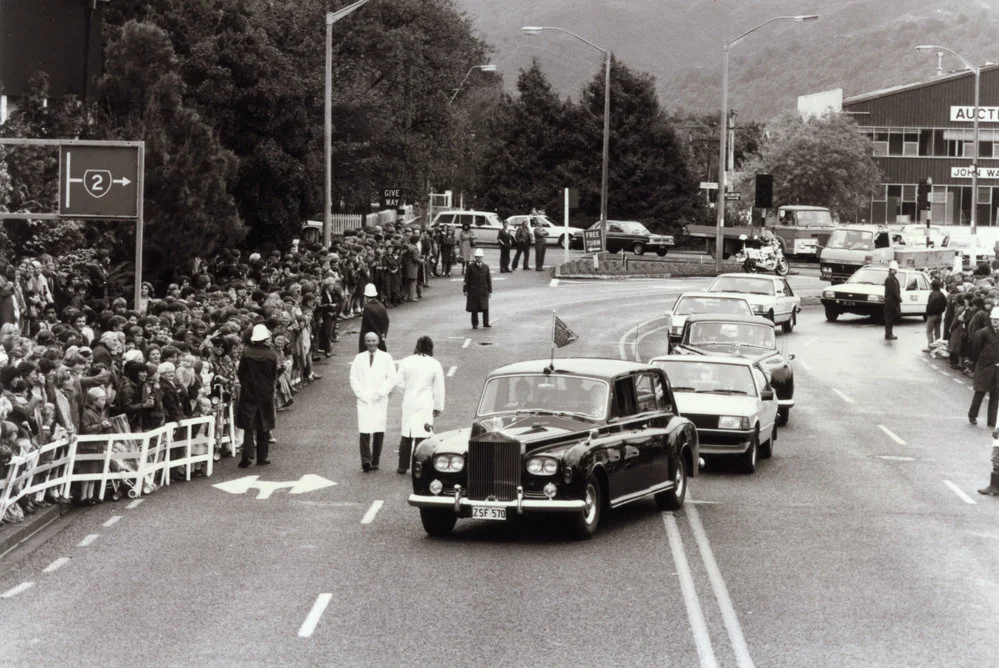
[723, 132]
[485, 68]
[331, 18]
[534, 30]
[928, 48]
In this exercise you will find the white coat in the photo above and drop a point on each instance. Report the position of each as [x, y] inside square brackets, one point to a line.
[422, 380]
[371, 384]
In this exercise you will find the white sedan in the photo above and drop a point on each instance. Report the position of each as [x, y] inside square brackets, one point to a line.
[730, 401]
[690, 303]
[770, 296]
[864, 293]
[557, 235]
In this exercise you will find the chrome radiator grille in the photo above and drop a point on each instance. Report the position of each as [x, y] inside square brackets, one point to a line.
[493, 470]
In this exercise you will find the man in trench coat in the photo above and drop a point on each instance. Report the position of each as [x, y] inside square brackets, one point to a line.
[985, 353]
[893, 301]
[478, 286]
[372, 377]
[255, 413]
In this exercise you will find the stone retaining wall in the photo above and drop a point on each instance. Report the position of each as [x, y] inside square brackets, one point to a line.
[623, 265]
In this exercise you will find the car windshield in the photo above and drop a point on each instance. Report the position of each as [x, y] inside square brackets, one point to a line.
[546, 394]
[493, 220]
[870, 276]
[746, 284]
[727, 305]
[741, 333]
[626, 226]
[851, 240]
[688, 375]
[814, 218]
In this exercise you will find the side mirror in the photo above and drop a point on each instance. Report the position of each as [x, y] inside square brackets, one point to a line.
[767, 395]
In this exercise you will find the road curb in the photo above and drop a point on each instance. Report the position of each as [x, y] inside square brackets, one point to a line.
[13, 535]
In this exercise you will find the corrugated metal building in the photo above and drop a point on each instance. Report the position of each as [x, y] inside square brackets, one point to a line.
[925, 130]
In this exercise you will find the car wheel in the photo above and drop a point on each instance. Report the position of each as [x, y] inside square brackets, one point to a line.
[673, 499]
[782, 267]
[831, 313]
[638, 249]
[661, 252]
[437, 522]
[788, 326]
[750, 456]
[586, 522]
[770, 315]
[563, 241]
[783, 415]
[767, 450]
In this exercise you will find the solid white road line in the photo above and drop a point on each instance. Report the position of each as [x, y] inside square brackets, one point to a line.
[318, 608]
[90, 538]
[134, 504]
[698, 627]
[56, 565]
[629, 338]
[958, 381]
[892, 435]
[11, 593]
[808, 342]
[553, 283]
[467, 343]
[369, 516]
[731, 620]
[450, 372]
[844, 397]
[960, 493]
[112, 521]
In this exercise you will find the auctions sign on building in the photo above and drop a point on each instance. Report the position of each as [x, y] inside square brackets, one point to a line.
[967, 114]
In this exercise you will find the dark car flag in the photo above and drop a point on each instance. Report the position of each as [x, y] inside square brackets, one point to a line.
[563, 336]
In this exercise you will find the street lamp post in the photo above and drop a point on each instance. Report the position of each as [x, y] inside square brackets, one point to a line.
[485, 68]
[331, 18]
[605, 161]
[927, 48]
[723, 131]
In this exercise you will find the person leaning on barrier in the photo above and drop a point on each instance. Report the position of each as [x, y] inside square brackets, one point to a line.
[94, 421]
[255, 412]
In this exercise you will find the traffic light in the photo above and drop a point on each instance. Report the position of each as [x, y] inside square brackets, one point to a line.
[923, 195]
[764, 191]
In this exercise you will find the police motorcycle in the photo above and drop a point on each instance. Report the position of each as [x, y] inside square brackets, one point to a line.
[762, 255]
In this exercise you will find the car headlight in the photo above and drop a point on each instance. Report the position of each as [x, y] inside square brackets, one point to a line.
[542, 466]
[449, 463]
[759, 308]
[828, 294]
[825, 271]
[875, 298]
[733, 422]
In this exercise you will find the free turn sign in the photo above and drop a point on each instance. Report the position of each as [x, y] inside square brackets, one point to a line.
[99, 181]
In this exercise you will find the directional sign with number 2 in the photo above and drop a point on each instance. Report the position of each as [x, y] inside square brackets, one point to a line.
[99, 181]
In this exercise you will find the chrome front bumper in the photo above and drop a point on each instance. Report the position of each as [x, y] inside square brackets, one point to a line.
[456, 502]
[724, 441]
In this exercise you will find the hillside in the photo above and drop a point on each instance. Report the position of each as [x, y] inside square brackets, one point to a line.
[857, 45]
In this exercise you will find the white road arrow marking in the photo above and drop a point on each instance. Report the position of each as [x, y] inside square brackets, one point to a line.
[123, 181]
[307, 483]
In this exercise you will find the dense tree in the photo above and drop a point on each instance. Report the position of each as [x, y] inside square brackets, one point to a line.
[188, 208]
[818, 161]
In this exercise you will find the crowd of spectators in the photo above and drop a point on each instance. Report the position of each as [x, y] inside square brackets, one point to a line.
[970, 296]
[75, 359]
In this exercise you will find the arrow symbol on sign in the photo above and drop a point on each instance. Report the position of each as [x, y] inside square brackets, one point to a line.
[307, 483]
[123, 181]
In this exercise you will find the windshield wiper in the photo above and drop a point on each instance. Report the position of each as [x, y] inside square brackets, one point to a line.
[683, 389]
[724, 392]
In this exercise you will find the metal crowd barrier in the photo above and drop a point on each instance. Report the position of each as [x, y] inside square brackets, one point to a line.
[133, 461]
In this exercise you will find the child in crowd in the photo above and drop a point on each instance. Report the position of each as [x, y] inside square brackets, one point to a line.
[94, 421]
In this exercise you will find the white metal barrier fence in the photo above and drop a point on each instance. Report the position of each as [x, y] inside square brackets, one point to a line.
[140, 462]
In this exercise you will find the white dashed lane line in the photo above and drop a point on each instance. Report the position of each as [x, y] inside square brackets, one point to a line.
[11, 593]
[90, 538]
[56, 565]
[451, 371]
[134, 504]
[467, 343]
[112, 521]
[844, 397]
[891, 434]
[318, 608]
[960, 493]
[553, 283]
[369, 516]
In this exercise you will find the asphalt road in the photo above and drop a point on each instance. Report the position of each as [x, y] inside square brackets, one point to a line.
[862, 542]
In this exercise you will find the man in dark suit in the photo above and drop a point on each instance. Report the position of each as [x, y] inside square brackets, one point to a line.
[256, 413]
[893, 301]
[374, 318]
[478, 286]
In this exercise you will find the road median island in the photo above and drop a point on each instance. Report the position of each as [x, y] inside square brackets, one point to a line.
[626, 265]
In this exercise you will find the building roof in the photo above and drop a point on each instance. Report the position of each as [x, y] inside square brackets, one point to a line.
[884, 92]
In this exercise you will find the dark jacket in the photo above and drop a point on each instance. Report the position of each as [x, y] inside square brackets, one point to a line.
[978, 321]
[175, 405]
[373, 319]
[937, 303]
[985, 353]
[478, 286]
[257, 373]
[504, 238]
[893, 299]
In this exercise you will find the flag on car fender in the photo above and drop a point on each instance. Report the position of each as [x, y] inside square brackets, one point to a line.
[563, 335]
